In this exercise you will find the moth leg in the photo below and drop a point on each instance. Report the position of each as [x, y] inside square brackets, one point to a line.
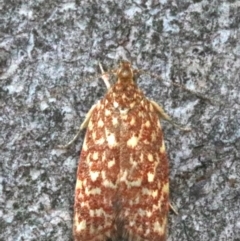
[172, 207]
[82, 126]
[166, 117]
[105, 77]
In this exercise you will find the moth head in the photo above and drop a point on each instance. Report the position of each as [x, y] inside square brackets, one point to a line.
[125, 71]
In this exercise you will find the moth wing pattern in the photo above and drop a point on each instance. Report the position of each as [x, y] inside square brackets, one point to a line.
[122, 188]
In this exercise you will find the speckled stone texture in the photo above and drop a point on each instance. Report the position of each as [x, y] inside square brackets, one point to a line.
[49, 53]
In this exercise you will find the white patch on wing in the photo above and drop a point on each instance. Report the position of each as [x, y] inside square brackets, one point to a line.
[158, 228]
[132, 104]
[124, 112]
[100, 212]
[150, 176]
[147, 123]
[79, 184]
[95, 156]
[94, 135]
[90, 125]
[148, 213]
[111, 163]
[93, 191]
[147, 231]
[94, 175]
[150, 157]
[141, 212]
[123, 176]
[165, 188]
[149, 192]
[115, 104]
[136, 183]
[107, 112]
[80, 226]
[114, 121]
[134, 201]
[133, 121]
[132, 142]
[162, 148]
[111, 140]
[103, 174]
[100, 141]
[133, 162]
[153, 136]
[97, 212]
[107, 183]
[154, 193]
[100, 123]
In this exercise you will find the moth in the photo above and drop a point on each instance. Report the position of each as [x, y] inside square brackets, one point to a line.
[122, 187]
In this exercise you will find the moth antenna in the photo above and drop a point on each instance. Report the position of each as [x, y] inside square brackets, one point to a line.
[181, 86]
[104, 76]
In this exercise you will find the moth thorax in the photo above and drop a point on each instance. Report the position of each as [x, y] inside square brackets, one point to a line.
[125, 74]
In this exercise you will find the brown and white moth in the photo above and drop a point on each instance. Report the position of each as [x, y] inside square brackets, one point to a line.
[122, 188]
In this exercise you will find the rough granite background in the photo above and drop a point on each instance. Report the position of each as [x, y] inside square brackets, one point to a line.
[49, 53]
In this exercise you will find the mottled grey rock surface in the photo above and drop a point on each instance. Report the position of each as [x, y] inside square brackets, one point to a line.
[48, 52]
